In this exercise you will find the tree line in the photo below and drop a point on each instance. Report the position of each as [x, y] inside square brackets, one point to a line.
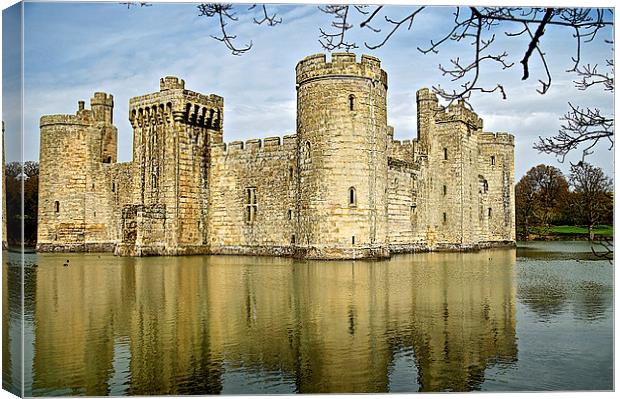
[20, 175]
[544, 197]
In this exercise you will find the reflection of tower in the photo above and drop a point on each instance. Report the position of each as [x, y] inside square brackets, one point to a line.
[342, 147]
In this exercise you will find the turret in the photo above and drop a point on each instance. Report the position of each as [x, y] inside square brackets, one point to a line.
[102, 105]
[342, 157]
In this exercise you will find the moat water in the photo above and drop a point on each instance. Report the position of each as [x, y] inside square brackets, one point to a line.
[539, 317]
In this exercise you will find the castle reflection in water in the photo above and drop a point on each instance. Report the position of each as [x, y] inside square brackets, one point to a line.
[197, 325]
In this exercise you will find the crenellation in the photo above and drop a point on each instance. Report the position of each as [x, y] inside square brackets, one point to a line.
[339, 187]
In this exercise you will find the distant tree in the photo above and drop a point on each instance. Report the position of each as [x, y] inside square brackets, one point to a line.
[550, 192]
[592, 201]
[22, 189]
[524, 204]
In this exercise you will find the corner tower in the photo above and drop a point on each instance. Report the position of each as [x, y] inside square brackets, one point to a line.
[342, 157]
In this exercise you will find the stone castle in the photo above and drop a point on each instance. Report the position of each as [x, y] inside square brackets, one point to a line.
[340, 188]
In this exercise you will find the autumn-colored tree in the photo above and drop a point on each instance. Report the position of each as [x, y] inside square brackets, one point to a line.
[540, 197]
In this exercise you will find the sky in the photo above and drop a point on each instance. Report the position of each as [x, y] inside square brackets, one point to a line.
[73, 49]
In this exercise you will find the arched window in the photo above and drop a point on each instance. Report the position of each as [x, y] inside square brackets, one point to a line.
[351, 102]
[492, 159]
[352, 197]
[56, 206]
[485, 186]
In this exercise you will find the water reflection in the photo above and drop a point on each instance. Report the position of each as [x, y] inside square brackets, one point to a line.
[199, 325]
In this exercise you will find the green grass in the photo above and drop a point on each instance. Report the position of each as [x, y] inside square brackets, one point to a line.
[603, 230]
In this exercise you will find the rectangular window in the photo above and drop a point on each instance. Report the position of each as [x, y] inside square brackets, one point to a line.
[56, 206]
[445, 190]
[251, 205]
[492, 159]
[489, 213]
[445, 153]
[445, 217]
[290, 214]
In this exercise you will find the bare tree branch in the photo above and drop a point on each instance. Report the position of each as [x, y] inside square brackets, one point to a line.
[582, 126]
[224, 12]
[336, 41]
[396, 24]
[272, 20]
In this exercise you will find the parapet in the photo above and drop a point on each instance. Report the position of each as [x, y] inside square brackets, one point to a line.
[341, 65]
[100, 98]
[502, 138]
[174, 102]
[170, 83]
[254, 146]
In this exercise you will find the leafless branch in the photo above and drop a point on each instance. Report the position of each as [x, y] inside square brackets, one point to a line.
[130, 4]
[336, 41]
[582, 126]
[540, 30]
[224, 13]
[396, 26]
[272, 20]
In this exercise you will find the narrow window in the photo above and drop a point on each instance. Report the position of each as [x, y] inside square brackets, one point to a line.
[445, 153]
[413, 209]
[353, 240]
[290, 214]
[352, 197]
[95, 214]
[293, 239]
[56, 206]
[492, 159]
[445, 190]
[251, 205]
[489, 213]
[445, 217]
[485, 186]
[93, 186]
[113, 187]
[351, 102]
[290, 172]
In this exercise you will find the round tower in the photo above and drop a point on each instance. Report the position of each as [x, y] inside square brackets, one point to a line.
[342, 157]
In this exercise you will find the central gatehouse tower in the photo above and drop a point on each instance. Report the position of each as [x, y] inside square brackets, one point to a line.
[342, 157]
[172, 132]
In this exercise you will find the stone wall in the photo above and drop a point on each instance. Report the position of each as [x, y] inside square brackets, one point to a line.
[238, 223]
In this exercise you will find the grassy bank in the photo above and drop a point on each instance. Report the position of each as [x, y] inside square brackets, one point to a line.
[569, 232]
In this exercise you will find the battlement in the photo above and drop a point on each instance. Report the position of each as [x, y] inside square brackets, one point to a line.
[81, 118]
[100, 98]
[174, 102]
[342, 65]
[455, 112]
[171, 83]
[268, 144]
[496, 138]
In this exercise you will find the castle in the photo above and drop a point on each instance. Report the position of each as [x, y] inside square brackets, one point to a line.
[340, 188]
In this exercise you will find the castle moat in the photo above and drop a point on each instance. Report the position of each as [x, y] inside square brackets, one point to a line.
[538, 317]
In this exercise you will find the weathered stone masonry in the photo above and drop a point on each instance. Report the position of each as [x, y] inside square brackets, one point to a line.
[340, 188]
